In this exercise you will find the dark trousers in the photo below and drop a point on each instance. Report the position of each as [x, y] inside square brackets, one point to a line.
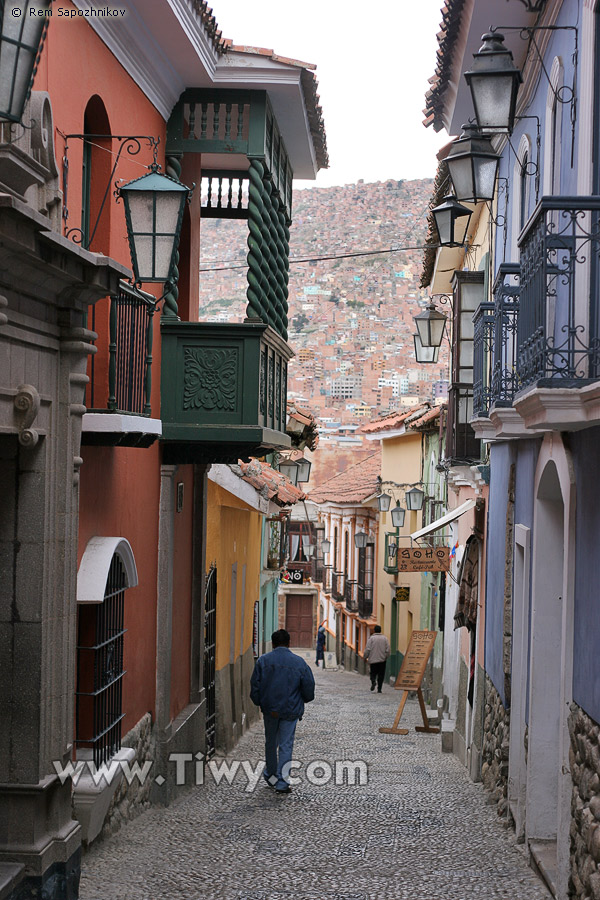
[378, 674]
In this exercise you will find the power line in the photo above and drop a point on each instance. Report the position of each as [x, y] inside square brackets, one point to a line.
[314, 259]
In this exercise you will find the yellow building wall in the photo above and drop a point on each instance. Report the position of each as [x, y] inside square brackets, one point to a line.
[233, 535]
[400, 463]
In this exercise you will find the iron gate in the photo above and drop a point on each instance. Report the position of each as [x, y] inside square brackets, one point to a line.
[210, 643]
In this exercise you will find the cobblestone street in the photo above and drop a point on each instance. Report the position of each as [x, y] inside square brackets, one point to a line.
[419, 829]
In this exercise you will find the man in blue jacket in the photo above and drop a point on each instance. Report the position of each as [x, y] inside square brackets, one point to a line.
[281, 684]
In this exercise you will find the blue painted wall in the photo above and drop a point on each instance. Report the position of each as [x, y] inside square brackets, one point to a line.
[501, 457]
[586, 652]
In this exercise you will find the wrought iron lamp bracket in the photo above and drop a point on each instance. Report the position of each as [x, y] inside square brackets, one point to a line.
[532, 6]
[132, 144]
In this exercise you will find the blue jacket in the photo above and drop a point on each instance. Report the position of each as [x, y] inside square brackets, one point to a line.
[282, 683]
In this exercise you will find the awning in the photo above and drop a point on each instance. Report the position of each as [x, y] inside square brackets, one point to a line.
[445, 520]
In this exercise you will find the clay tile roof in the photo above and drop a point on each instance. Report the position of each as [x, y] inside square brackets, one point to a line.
[352, 486]
[210, 26]
[394, 420]
[312, 100]
[429, 418]
[447, 37]
[269, 483]
[309, 436]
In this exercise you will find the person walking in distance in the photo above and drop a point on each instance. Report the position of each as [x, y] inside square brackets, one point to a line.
[377, 650]
[281, 684]
[321, 638]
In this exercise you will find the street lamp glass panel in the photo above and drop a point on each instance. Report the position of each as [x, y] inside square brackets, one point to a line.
[414, 499]
[290, 469]
[154, 206]
[20, 41]
[391, 552]
[303, 469]
[326, 546]
[425, 354]
[383, 502]
[398, 515]
[360, 539]
[473, 166]
[430, 326]
[451, 220]
[494, 84]
[310, 549]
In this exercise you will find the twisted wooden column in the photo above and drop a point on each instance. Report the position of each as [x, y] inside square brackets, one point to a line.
[170, 308]
[257, 298]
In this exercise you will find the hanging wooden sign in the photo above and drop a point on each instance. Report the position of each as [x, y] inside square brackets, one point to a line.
[410, 677]
[423, 559]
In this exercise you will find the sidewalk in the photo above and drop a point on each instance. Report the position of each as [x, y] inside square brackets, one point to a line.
[419, 830]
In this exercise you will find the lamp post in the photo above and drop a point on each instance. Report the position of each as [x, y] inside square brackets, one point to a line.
[21, 41]
[473, 166]
[451, 222]
[494, 84]
[383, 502]
[414, 499]
[398, 514]
[425, 354]
[154, 206]
[431, 324]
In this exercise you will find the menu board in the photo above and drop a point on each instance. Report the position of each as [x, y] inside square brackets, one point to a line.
[423, 559]
[414, 663]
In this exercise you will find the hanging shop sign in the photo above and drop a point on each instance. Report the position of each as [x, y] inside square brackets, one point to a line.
[423, 559]
[293, 576]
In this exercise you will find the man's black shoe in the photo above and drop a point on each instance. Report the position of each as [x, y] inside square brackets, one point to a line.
[285, 790]
[378, 690]
[372, 687]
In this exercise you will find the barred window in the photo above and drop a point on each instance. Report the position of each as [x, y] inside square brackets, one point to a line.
[99, 697]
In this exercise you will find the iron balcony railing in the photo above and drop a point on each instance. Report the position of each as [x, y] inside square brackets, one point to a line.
[123, 382]
[483, 342]
[365, 600]
[461, 443]
[351, 595]
[337, 586]
[505, 380]
[557, 333]
[319, 571]
[327, 578]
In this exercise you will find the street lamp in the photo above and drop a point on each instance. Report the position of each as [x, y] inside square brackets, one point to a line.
[494, 84]
[425, 354]
[360, 540]
[430, 326]
[414, 499]
[398, 514]
[325, 546]
[303, 469]
[473, 166]
[383, 502]
[289, 468]
[451, 222]
[154, 206]
[21, 40]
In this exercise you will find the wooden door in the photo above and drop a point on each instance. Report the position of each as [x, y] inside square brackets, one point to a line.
[299, 619]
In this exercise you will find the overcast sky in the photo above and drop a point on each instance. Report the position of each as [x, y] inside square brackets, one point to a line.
[374, 59]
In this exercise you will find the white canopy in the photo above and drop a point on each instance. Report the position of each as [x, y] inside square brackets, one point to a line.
[444, 520]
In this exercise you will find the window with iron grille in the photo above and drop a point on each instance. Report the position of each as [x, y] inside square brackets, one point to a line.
[99, 698]
[366, 564]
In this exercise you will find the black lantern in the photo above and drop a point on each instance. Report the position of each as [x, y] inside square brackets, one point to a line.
[383, 502]
[360, 540]
[21, 39]
[303, 469]
[290, 469]
[425, 354]
[154, 206]
[451, 222]
[398, 514]
[430, 326]
[473, 166]
[494, 84]
[390, 563]
[325, 546]
[414, 499]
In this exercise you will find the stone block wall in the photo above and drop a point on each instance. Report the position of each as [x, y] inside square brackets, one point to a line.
[132, 799]
[496, 731]
[584, 761]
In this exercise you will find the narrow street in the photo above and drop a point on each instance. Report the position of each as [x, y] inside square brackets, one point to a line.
[418, 829]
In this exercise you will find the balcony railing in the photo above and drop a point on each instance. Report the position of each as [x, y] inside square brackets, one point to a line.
[505, 381]
[365, 601]
[483, 342]
[337, 586]
[121, 381]
[319, 571]
[351, 595]
[461, 443]
[327, 578]
[557, 337]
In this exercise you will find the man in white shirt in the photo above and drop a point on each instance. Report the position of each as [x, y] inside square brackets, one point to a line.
[376, 652]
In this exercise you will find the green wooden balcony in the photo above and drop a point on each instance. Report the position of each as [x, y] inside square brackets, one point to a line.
[223, 391]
